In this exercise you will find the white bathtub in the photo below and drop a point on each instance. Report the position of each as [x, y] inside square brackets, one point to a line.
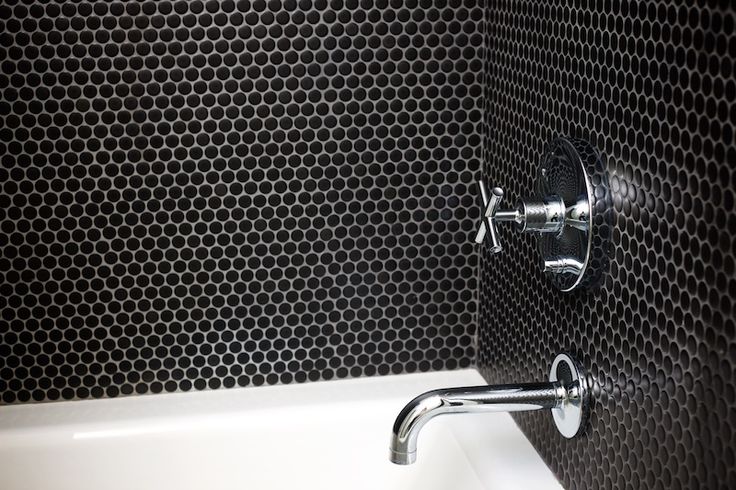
[327, 435]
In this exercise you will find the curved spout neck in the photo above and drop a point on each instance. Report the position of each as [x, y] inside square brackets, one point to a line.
[475, 399]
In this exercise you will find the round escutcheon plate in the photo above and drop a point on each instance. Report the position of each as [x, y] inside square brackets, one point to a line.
[573, 170]
[572, 416]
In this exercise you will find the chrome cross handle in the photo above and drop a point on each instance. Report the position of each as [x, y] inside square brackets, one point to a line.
[488, 224]
[542, 216]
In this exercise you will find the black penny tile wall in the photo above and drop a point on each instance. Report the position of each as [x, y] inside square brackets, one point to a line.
[201, 195]
[652, 85]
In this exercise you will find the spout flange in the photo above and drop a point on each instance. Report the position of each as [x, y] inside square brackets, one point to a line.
[571, 416]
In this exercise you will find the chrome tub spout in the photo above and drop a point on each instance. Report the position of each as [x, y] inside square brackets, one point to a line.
[566, 394]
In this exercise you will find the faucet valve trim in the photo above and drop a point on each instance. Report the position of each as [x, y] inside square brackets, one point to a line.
[571, 220]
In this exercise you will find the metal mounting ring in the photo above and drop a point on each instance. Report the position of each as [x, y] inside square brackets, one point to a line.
[571, 416]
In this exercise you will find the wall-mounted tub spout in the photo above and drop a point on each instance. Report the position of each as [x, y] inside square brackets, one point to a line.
[566, 394]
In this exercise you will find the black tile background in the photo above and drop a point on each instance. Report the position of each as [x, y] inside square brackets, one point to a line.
[652, 85]
[213, 194]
